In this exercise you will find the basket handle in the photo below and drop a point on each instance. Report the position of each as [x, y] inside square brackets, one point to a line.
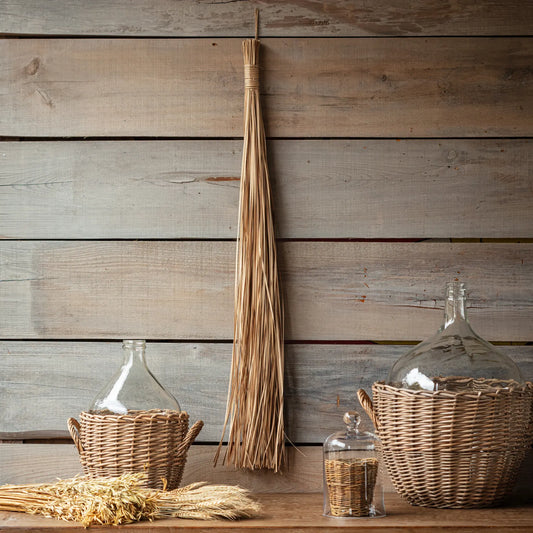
[74, 430]
[368, 406]
[189, 438]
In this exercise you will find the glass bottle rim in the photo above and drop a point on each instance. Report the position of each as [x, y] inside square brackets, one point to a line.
[133, 343]
[455, 288]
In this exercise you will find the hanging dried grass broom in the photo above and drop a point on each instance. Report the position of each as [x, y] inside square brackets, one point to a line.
[255, 397]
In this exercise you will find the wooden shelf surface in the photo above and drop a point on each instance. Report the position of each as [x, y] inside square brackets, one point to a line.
[303, 512]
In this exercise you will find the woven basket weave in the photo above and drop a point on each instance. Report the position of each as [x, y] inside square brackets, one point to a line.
[453, 449]
[350, 484]
[154, 442]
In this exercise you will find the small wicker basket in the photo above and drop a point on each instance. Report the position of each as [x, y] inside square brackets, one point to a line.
[453, 449]
[155, 442]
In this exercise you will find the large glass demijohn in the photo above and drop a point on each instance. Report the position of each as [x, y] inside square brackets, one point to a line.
[454, 351]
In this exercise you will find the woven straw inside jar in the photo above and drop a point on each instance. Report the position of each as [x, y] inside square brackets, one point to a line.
[350, 484]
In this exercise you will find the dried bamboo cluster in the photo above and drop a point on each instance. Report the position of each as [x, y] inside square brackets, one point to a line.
[122, 500]
[255, 398]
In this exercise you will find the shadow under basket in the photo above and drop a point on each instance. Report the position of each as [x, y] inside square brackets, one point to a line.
[154, 442]
[453, 449]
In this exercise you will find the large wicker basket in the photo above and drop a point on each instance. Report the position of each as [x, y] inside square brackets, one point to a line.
[153, 442]
[453, 449]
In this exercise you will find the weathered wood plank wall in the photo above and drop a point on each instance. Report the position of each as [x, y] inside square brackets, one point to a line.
[339, 18]
[333, 290]
[320, 381]
[119, 175]
[371, 87]
[370, 189]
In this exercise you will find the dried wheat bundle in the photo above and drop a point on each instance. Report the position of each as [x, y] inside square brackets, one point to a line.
[121, 500]
[204, 502]
[89, 501]
[255, 397]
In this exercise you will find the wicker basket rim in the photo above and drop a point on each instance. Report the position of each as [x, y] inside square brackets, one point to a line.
[489, 391]
[152, 414]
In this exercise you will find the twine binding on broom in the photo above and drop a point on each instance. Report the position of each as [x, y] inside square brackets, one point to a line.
[255, 396]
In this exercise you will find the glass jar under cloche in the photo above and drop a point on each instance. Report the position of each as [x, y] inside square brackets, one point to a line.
[455, 357]
[352, 472]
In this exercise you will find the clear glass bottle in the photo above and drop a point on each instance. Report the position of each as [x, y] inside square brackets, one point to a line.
[352, 472]
[133, 387]
[455, 352]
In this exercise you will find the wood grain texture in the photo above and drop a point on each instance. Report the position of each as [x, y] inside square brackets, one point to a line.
[304, 512]
[376, 87]
[335, 18]
[320, 383]
[322, 189]
[184, 289]
[40, 463]
[63, 378]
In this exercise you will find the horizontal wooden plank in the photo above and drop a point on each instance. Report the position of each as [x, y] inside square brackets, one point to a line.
[375, 87]
[332, 290]
[296, 513]
[41, 463]
[63, 378]
[30, 463]
[321, 383]
[415, 188]
[335, 18]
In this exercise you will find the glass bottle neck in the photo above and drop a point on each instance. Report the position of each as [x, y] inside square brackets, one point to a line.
[134, 353]
[455, 304]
